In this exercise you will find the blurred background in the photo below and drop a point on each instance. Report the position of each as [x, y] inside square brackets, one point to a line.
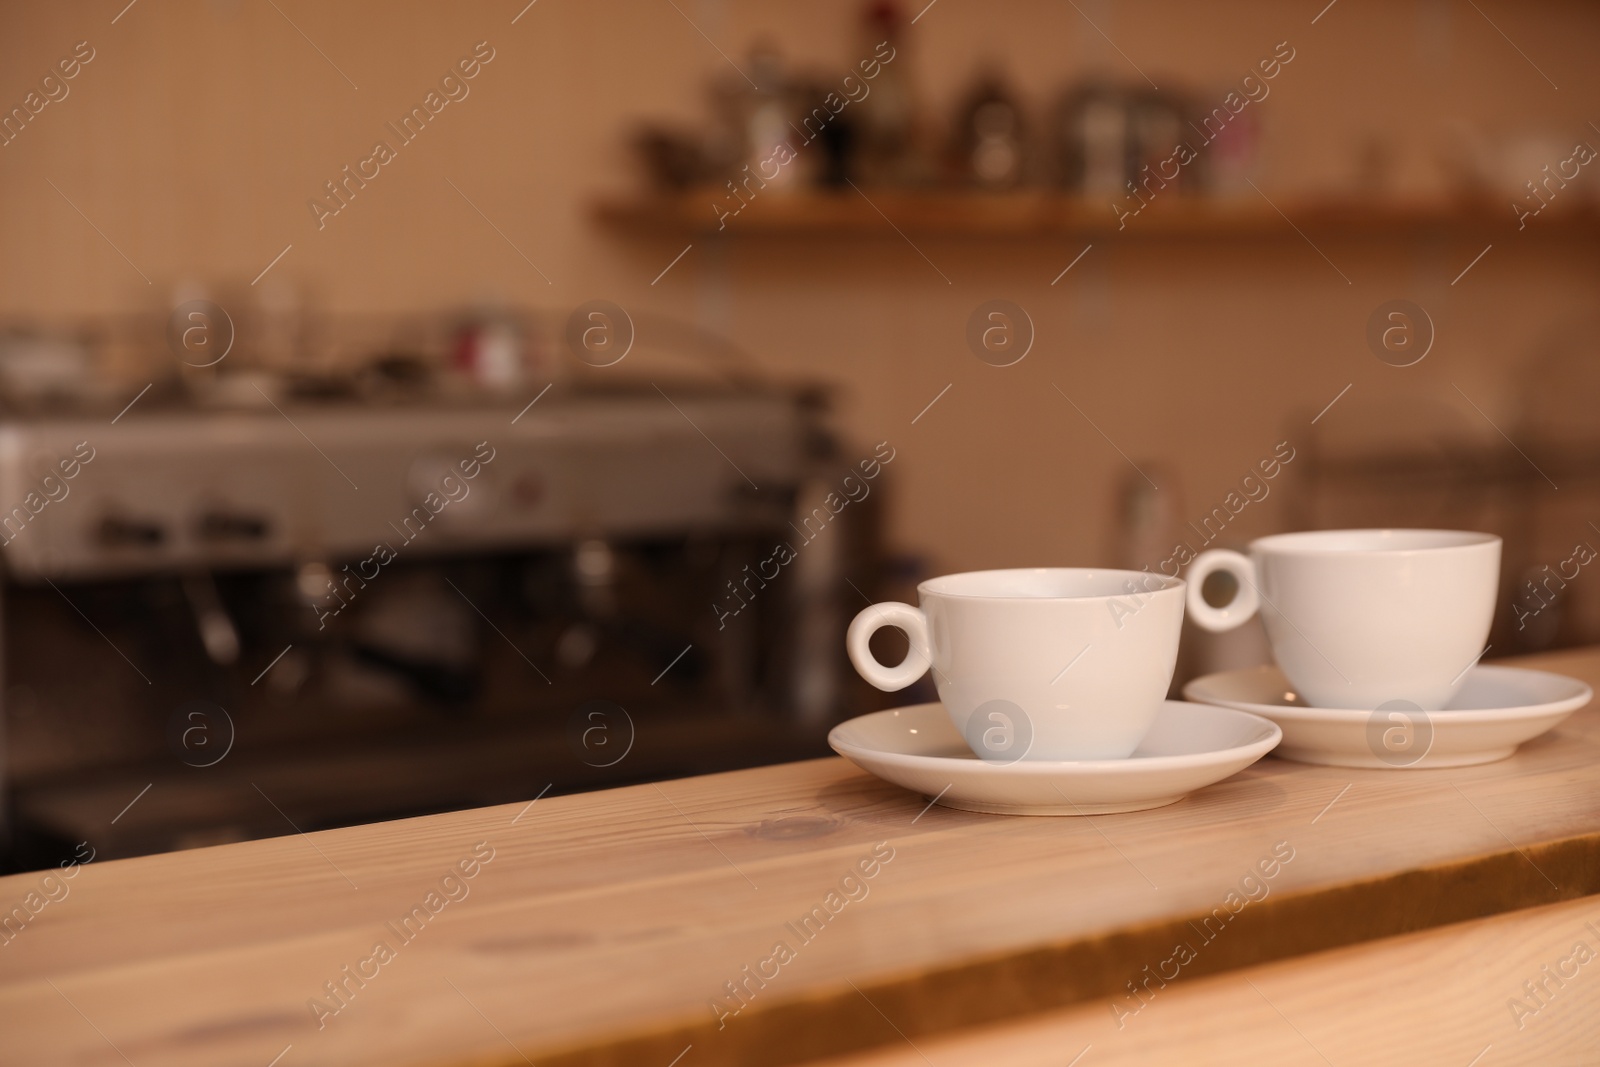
[406, 407]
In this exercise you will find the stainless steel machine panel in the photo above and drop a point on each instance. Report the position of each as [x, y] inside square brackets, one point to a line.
[164, 491]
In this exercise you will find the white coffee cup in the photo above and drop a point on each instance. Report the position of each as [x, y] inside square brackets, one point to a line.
[1037, 664]
[1359, 618]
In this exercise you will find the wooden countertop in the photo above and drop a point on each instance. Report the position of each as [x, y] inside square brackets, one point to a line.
[602, 928]
[1453, 995]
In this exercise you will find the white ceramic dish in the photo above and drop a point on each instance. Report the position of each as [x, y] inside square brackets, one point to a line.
[1495, 710]
[1189, 746]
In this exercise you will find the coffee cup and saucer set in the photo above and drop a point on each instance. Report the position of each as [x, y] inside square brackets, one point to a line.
[1052, 681]
[1052, 690]
[1377, 636]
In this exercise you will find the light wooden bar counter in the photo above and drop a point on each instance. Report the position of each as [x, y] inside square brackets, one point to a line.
[605, 928]
[1515, 988]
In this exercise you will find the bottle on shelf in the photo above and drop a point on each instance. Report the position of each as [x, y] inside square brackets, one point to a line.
[886, 117]
[990, 136]
[1092, 140]
[770, 136]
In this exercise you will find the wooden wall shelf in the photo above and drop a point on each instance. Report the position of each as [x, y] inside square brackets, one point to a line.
[1048, 214]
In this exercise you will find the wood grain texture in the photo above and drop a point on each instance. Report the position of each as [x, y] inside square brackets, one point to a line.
[1455, 995]
[606, 925]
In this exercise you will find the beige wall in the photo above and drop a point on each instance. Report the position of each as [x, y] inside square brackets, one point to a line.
[199, 131]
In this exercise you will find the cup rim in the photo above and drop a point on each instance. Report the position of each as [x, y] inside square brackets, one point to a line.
[1305, 542]
[928, 587]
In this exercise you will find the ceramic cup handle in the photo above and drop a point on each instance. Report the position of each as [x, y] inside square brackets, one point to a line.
[1245, 602]
[892, 613]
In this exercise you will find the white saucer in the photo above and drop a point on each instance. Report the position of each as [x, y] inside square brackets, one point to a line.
[1496, 709]
[1190, 746]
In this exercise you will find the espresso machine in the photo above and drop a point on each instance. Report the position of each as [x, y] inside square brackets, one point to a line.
[309, 612]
